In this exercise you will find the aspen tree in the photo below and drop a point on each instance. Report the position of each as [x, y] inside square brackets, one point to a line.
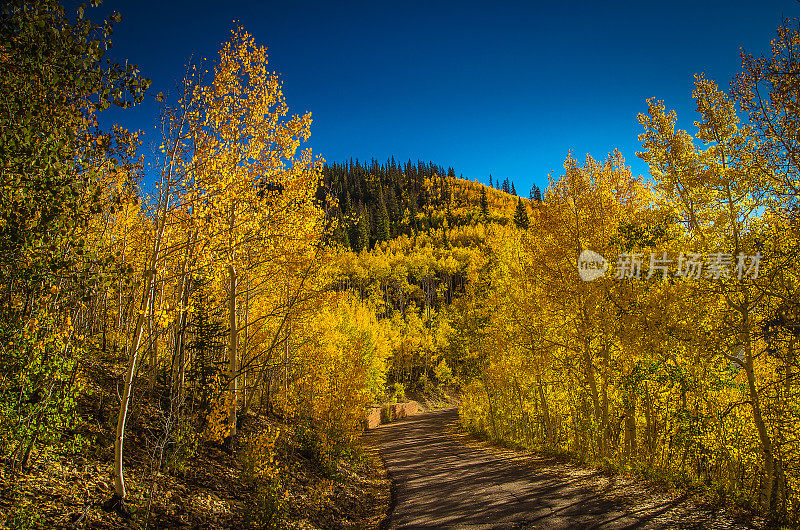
[719, 191]
[255, 192]
[176, 130]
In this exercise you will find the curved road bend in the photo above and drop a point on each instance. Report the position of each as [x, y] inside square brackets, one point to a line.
[438, 482]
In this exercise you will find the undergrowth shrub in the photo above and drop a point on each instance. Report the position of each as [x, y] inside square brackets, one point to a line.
[182, 447]
[399, 394]
[217, 423]
[38, 393]
[263, 471]
[315, 446]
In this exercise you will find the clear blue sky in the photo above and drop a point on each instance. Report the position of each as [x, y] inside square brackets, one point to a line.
[506, 89]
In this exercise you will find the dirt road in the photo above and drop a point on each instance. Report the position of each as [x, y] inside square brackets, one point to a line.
[439, 482]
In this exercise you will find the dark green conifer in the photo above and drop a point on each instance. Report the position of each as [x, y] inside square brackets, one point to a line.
[521, 215]
[382, 221]
[360, 241]
[536, 194]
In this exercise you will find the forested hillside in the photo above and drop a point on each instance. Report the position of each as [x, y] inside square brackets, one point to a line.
[412, 277]
[258, 299]
[377, 202]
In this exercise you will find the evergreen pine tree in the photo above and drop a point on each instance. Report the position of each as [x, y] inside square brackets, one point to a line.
[412, 215]
[344, 239]
[491, 185]
[536, 193]
[513, 189]
[484, 204]
[391, 206]
[361, 240]
[352, 235]
[449, 215]
[447, 193]
[371, 217]
[506, 187]
[208, 336]
[382, 222]
[521, 215]
[346, 207]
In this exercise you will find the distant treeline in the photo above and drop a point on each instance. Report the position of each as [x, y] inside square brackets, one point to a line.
[374, 202]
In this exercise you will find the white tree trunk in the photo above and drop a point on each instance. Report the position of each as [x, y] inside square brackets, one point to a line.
[119, 479]
[232, 346]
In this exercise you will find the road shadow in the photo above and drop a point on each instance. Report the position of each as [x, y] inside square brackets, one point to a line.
[438, 482]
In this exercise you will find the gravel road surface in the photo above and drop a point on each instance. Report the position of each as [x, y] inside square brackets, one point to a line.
[442, 480]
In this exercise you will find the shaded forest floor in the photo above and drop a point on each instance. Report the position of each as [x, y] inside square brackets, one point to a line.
[441, 476]
[69, 493]
[204, 488]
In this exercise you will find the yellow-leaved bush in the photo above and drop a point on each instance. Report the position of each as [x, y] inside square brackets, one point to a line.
[341, 371]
